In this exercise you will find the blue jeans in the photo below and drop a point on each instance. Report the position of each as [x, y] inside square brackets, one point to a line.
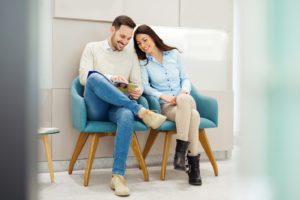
[105, 102]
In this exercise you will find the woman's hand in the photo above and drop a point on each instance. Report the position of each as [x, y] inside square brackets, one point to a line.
[168, 98]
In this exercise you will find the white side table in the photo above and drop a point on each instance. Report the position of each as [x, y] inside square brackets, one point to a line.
[43, 133]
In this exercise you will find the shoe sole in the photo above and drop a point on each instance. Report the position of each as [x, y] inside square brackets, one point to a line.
[120, 195]
[180, 168]
[196, 184]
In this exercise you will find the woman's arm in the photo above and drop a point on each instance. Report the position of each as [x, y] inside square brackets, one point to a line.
[151, 91]
[145, 80]
[184, 79]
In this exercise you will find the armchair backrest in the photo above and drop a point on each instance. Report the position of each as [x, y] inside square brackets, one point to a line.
[78, 88]
[206, 105]
[78, 107]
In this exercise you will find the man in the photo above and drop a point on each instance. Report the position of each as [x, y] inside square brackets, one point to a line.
[104, 62]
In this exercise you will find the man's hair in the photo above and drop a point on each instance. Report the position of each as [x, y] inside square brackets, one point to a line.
[123, 20]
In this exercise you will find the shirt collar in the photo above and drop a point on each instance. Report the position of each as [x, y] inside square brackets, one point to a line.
[149, 57]
[106, 46]
[165, 53]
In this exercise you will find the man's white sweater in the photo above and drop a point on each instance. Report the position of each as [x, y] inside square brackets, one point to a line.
[98, 56]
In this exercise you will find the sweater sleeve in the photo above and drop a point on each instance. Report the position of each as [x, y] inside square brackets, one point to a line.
[86, 64]
[135, 74]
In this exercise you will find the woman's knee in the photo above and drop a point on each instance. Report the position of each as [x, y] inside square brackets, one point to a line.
[184, 99]
[195, 116]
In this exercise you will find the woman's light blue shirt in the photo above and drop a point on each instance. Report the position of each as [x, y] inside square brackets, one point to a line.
[167, 77]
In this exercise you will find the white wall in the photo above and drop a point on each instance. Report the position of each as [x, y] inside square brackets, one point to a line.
[77, 22]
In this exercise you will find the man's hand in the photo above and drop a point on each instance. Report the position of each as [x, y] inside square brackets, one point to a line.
[135, 93]
[119, 78]
[168, 98]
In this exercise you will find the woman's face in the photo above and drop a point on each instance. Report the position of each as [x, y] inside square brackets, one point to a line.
[145, 43]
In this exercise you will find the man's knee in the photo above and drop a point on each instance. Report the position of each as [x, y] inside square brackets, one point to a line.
[95, 78]
[125, 115]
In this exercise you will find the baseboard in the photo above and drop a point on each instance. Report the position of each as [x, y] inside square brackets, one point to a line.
[99, 163]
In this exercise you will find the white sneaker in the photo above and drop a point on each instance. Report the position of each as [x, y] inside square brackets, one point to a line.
[152, 119]
[118, 184]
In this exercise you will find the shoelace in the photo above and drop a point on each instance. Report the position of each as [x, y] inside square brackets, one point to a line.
[187, 166]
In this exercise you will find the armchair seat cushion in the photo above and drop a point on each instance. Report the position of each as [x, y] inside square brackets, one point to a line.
[206, 123]
[106, 126]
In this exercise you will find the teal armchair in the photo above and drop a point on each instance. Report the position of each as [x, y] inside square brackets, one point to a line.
[208, 109]
[98, 129]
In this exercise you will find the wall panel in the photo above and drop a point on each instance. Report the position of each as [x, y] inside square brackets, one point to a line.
[69, 40]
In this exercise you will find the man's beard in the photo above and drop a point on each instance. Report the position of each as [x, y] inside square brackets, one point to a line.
[115, 43]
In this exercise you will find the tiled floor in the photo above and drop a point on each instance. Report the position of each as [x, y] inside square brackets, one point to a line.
[70, 187]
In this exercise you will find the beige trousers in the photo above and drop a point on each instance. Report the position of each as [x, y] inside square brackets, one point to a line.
[187, 120]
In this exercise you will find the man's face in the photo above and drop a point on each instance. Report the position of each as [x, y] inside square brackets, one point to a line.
[120, 38]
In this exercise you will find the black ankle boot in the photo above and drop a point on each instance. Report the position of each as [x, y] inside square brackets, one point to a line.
[179, 159]
[193, 170]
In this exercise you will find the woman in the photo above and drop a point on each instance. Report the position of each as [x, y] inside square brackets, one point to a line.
[163, 76]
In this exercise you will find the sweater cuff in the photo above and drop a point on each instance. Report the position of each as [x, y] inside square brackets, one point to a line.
[108, 76]
[186, 89]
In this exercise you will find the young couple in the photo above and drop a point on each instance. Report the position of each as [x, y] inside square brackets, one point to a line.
[157, 70]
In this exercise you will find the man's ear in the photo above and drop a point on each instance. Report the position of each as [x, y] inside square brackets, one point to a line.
[113, 30]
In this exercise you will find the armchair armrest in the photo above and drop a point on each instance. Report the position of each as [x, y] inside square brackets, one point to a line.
[78, 107]
[153, 103]
[143, 101]
[207, 106]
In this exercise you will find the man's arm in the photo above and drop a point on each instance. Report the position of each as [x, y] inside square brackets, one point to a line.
[86, 63]
[135, 77]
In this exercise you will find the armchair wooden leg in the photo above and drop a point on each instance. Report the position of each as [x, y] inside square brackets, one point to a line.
[138, 154]
[206, 146]
[167, 143]
[93, 147]
[150, 140]
[78, 148]
[48, 156]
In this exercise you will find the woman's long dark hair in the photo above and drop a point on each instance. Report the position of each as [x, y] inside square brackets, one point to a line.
[144, 29]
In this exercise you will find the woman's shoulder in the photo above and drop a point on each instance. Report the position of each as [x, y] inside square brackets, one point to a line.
[173, 52]
[143, 62]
